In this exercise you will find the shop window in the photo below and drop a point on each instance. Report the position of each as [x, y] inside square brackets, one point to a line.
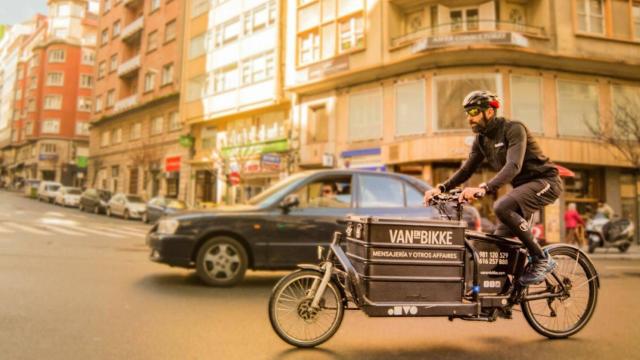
[365, 115]
[628, 197]
[133, 181]
[577, 108]
[318, 125]
[410, 113]
[449, 91]
[526, 101]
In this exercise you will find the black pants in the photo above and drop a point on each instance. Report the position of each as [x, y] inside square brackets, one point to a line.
[516, 208]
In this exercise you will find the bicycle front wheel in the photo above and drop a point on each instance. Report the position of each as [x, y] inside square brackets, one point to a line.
[564, 316]
[292, 316]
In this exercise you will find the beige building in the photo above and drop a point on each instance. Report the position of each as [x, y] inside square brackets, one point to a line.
[378, 84]
[233, 98]
[136, 125]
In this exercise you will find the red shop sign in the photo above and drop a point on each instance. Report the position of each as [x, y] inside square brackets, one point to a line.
[172, 164]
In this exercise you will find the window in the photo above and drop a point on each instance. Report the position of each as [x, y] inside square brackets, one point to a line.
[102, 69]
[88, 57]
[328, 192]
[29, 128]
[464, 19]
[115, 30]
[590, 16]
[155, 5]
[410, 113]
[260, 17]
[116, 136]
[149, 81]
[325, 22]
[51, 126]
[380, 192]
[199, 7]
[113, 64]
[31, 105]
[257, 69]
[526, 101]
[449, 91]
[104, 138]
[208, 135]
[98, 104]
[82, 128]
[195, 88]
[174, 121]
[625, 110]
[48, 148]
[170, 31]
[415, 198]
[84, 104]
[104, 37]
[318, 125]
[577, 108]
[53, 102]
[167, 74]
[152, 41]
[157, 125]
[55, 79]
[197, 46]
[56, 56]
[225, 79]
[636, 19]
[136, 131]
[111, 98]
[228, 32]
[106, 6]
[365, 115]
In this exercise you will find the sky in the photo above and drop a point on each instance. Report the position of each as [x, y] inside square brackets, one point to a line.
[16, 11]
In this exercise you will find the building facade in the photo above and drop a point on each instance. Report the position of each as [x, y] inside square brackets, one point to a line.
[136, 126]
[234, 100]
[378, 84]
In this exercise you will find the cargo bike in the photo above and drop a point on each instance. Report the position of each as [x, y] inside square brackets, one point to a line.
[406, 268]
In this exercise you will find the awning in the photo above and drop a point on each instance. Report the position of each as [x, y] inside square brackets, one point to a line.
[564, 172]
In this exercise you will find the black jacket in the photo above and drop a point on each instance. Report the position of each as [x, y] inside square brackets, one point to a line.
[509, 149]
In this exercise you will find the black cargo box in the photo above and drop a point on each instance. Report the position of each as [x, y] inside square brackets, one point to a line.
[408, 260]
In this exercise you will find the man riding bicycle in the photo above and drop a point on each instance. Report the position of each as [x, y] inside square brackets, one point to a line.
[514, 154]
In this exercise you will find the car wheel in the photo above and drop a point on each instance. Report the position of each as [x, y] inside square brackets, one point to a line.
[96, 209]
[221, 261]
[125, 215]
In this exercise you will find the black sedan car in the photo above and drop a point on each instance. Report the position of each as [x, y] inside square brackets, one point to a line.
[94, 200]
[160, 206]
[282, 226]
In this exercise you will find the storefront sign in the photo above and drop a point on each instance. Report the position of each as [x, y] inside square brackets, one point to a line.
[46, 157]
[328, 160]
[271, 162]
[172, 164]
[186, 141]
[329, 67]
[488, 37]
[82, 162]
[274, 146]
[252, 166]
[234, 178]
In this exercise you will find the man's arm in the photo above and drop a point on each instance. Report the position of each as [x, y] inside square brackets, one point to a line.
[467, 169]
[517, 138]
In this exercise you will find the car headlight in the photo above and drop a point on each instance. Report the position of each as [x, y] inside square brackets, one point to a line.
[168, 226]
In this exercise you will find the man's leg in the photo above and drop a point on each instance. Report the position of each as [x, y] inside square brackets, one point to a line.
[509, 213]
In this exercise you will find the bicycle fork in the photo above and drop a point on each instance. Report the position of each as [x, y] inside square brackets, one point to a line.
[320, 285]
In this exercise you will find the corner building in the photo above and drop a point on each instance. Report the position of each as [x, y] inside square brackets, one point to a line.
[378, 84]
[136, 127]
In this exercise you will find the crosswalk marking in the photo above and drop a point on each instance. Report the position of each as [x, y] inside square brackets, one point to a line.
[65, 231]
[26, 228]
[122, 231]
[6, 231]
[97, 232]
[69, 228]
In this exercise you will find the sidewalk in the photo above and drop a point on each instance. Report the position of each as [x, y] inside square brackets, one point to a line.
[614, 254]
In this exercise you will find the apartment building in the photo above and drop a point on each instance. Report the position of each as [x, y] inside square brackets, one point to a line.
[378, 84]
[136, 127]
[234, 101]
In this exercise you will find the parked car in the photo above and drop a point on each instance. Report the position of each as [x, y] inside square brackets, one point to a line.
[127, 206]
[160, 206]
[47, 190]
[283, 226]
[68, 196]
[94, 200]
[31, 188]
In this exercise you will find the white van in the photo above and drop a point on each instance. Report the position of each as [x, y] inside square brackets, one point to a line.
[47, 190]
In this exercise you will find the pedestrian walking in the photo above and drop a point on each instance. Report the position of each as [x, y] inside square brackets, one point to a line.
[572, 223]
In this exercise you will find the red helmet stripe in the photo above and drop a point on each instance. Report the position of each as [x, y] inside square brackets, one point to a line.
[494, 104]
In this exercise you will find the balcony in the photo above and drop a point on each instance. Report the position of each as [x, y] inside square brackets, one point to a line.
[126, 103]
[129, 67]
[132, 3]
[131, 33]
[473, 31]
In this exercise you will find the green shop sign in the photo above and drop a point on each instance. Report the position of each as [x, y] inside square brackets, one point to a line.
[186, 141]
[82, 162]
[273, 146]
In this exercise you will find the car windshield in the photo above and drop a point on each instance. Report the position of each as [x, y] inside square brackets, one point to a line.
[135, 199]
[74, 191]
[277, 190]
[176, 204]
[53, 187]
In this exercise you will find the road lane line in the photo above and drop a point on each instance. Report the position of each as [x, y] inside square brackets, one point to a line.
[27, 228]
[97, 232]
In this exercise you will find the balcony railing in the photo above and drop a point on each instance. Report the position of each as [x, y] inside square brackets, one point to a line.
[126, 103]
[468, 27]
[129, 67]
[132, 30]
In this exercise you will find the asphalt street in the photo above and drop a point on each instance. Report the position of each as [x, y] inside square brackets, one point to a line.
[80, 286]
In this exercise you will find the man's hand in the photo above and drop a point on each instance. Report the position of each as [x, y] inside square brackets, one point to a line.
[429, 194]
[471, 193]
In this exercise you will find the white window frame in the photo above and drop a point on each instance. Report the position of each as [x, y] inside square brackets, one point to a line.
[586, 12]
[57, 56]
[84, 104]
[558, 104]
[149, 81]
[88, 57]
[514, 96]
[167, 74]
[52, 102]
[82, 128]
[86, 81]
[421, 83]
[353, 133]
[55, 78]
[111, 98]
[50, 126]
[155, 129]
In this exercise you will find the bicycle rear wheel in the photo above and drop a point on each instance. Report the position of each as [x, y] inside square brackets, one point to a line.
[564, 316]
[292, 317]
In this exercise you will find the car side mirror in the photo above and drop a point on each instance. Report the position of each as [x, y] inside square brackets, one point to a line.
[289, 201]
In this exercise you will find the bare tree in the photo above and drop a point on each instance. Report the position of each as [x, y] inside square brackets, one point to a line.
[624, 132]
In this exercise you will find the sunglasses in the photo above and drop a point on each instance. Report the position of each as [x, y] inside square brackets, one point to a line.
[327, 191]
[473, 111]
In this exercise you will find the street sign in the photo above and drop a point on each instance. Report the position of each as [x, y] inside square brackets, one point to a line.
[172, 164]
[234, 178]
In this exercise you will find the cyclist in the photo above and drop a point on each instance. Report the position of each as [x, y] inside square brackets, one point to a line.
[513, 153]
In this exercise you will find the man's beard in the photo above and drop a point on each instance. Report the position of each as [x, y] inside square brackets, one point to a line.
[479, 127]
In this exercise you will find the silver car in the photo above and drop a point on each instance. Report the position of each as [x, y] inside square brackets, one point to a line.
[68, 196]
[127, 206]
